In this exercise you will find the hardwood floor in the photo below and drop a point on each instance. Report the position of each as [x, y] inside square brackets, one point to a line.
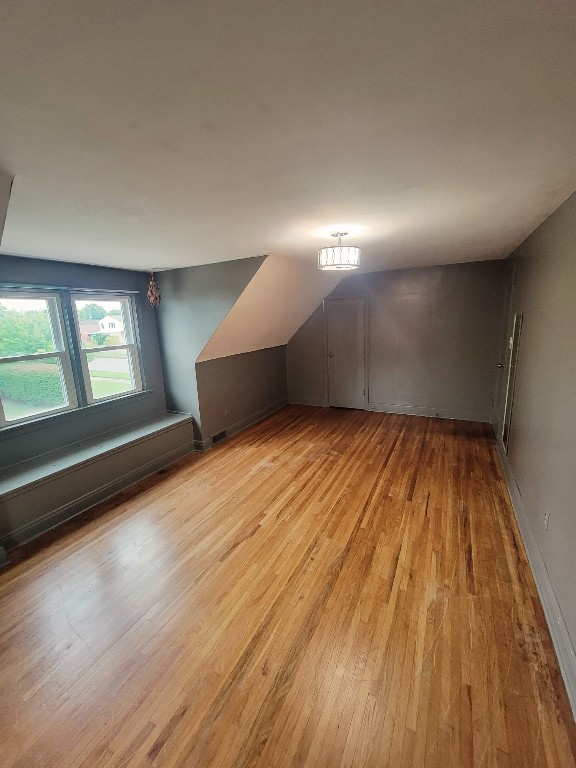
[329, 588]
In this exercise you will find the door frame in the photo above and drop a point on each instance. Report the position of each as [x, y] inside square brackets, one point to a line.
[501, 355]
[511, 375]
[366, 299]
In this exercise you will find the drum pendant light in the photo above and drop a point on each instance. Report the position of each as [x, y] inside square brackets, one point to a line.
[339, 256]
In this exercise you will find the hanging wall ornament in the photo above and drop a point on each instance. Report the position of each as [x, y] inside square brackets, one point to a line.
[153, 291]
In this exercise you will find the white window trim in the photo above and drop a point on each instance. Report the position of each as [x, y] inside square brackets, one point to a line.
[61, 353]
[127, 303]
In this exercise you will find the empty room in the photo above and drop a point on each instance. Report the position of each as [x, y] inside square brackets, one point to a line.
[287, 384]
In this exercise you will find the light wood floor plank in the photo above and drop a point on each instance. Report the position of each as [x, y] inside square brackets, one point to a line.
[330, 588]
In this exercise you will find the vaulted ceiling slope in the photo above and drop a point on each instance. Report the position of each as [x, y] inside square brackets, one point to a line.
[195, 300]
[279, 298]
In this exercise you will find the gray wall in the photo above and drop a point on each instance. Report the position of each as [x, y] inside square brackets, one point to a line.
[24, 441]
[238, 390]
[432, 341]
[542, 449]
[195, 300]
[305, 362]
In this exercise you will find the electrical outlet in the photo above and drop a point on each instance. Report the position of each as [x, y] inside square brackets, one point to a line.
[546, 519]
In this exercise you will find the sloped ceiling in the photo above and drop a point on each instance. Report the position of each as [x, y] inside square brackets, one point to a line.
[279, 298]
[195, 300]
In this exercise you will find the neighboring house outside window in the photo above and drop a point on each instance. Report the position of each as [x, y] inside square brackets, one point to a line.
[111, 324]
[35, 366]
[39, 331]
[110, 363]
[88, 328]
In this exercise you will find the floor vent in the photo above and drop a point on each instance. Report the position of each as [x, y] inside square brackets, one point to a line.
[218, 436]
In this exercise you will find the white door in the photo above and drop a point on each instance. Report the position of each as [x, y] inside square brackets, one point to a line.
[345, 348]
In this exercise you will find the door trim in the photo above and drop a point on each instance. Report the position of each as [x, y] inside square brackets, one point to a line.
[513, 351]
[365, 297]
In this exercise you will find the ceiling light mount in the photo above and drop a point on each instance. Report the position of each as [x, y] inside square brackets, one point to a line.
[336, 257]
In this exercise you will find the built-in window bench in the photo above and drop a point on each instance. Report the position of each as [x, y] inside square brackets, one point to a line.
[38, 494]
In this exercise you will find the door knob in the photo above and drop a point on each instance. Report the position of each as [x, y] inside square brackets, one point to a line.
[330, 354]
[500, 365]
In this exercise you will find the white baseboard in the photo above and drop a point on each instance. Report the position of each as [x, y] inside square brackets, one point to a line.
[554, 618]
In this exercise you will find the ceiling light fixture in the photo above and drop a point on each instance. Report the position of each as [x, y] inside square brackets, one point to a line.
[339, 256]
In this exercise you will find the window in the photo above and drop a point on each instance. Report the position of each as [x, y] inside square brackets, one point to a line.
[108, 350]
[35, 371]
[60, 351]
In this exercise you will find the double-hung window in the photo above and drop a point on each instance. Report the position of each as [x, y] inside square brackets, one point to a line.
[108, 351]
[61, 350]
[35, 369]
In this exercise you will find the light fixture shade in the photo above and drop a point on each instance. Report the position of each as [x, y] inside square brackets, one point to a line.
[339, 257]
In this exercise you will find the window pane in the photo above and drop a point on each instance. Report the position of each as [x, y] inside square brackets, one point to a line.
[31, 386]
[25, 327]
[102, 323]
[110, 373]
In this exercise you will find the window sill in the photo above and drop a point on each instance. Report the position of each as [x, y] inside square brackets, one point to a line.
[49, 420]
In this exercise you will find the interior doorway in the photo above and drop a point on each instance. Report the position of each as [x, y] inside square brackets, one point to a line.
[345, 350]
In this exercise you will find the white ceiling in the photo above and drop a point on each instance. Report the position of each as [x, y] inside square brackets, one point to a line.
[169, 133]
